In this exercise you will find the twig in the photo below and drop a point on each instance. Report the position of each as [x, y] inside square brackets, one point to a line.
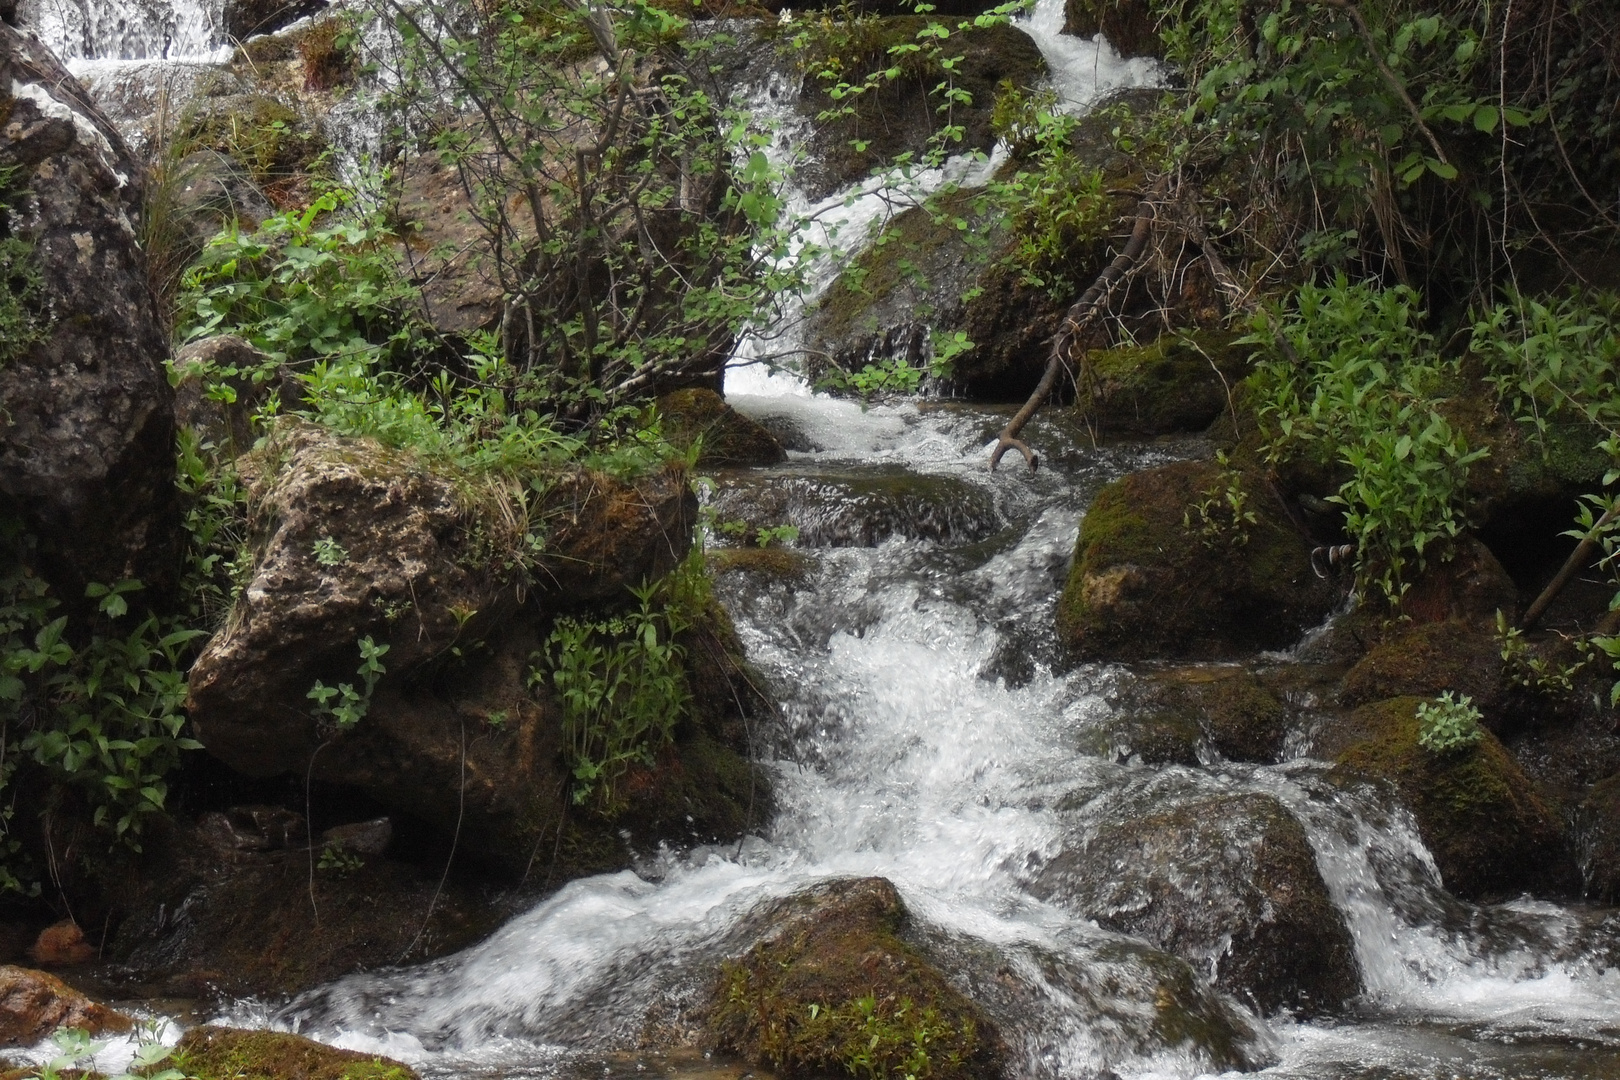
[1075, 320]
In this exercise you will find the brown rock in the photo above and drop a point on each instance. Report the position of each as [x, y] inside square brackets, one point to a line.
[726, 437]
[87, 449]
[34, 1004]
[61, 945]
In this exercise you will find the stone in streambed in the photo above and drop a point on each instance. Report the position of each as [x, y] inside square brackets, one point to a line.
[858, 507]
[34, 1004]
[1227, 882]
[1491, 833]
[1147, 583]
[832, 978]
[219, 1053]
[1171, 715]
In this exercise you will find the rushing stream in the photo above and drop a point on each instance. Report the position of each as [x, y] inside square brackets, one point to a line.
[929, 737]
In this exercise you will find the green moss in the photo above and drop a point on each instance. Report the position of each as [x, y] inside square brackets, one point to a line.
[835, 990]
[1177, 383]
[781, 564]
[1145, 584]
[1488, 829]
[212, 1053]
[699, 417]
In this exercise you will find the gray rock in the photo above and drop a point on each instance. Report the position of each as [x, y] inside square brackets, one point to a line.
[361, 837]
[1227, 882]
[87, 453]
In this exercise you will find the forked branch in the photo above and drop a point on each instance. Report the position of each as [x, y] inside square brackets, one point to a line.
[1075, 320]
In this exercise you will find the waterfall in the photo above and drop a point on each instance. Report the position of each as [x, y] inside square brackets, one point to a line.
[128, 29]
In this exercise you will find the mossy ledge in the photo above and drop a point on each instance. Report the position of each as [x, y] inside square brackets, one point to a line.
[215, 1053]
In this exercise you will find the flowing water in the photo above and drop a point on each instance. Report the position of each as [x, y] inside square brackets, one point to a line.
[929, 735]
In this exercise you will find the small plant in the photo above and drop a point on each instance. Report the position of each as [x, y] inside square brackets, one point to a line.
[1448, 724]
[340, 859]
[328, 552]
[76, 1050]
[621, 687]
[1224, 517]
[776, 534]
[24, 316]
[351, 705]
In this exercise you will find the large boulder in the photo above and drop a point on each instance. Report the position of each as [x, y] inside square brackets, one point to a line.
[1598, 841]
[1152, 580]
[34, 1004]
[700, 417]
[87, 449]
[1490, 831]
[833, 976]
[357, 540]
[1129, 25]
[1228, 883]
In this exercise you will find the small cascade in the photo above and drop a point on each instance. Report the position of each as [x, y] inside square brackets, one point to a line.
[84, 30]
[1081, 71]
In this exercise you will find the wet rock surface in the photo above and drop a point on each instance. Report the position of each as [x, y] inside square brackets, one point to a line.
[245, 18]
[1188, 714]
[858, 508]
[1227, 882]
[1149, 582]
[86, 455]
[1491, 833]
[33, 1004]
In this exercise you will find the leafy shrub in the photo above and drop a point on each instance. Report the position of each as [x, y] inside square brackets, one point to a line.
[1367, 390]
[621, 682]
[1448, 724]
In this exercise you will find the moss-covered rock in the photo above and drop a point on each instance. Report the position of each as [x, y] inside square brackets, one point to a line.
[857, 507]
[1172, 715]
[833, 983]
[1149, 581]
[1129, 25]
[217, 1053]
[1490, 831]
[1177, 383]
[1227, 882]
[696, 416]
[1429, 659]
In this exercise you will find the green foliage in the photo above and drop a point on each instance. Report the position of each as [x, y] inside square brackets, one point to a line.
[97, 706]
[1554, 360]
[337, 858]
[343, 704]
[1448, 724]
[1368, 390]
[891, 1042]
[328, 552]
[24, 316]
[1224, 517]
[621, 682]
[323, 282]
[75, 1049]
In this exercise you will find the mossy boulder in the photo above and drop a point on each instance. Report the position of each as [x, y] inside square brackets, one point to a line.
[1429, 659]
[1185, 714]
[1150, 581]
[1129, 25]
[1490, 832]
[701, 417]
[1227, 882]
[833, 982]
[1176, 383]
[218, 1053]
[33, 1004]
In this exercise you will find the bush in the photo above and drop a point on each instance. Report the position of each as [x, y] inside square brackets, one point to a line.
[1448, 724]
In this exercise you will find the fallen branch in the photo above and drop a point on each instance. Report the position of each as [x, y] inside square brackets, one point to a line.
[1080, 313]
[1572, 566]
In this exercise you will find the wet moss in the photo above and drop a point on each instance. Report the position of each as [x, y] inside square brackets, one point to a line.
[1177, 383]
[1168, 715]
[701, 418]
[1148, 583]
[1490, 831]
[780, 564]
[834, 989]
[213, 1053]
[1428, 659]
